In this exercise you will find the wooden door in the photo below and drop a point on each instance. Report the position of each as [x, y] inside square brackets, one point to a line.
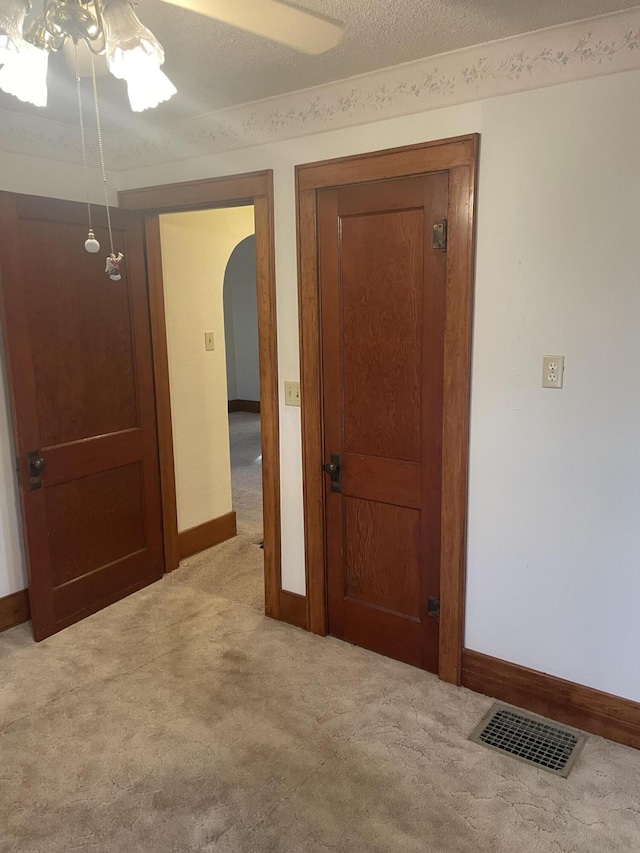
[382, 290]
[78, 357]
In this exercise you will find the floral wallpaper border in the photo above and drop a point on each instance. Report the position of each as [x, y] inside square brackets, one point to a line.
[560, 54]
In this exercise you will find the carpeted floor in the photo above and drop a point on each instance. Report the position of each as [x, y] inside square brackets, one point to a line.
[246, 473]
[181, 719]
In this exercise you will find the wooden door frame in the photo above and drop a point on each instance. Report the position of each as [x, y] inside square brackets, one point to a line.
[254, 188]
[458, 157]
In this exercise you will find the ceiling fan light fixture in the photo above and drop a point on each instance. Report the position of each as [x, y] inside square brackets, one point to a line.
[24, 75]
[12, 15]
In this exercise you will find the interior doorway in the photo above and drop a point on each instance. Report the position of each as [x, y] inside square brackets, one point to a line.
[366, 480]
[234, 191]
[196, 249]
[209, 283]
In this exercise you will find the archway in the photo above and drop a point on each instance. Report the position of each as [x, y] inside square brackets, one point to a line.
[243, 387]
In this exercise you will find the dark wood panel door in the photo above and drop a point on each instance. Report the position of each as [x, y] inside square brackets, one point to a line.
[382, 305]
[79, 363]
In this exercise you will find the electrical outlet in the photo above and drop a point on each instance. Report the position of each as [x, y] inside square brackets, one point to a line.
[292, 393]
[552, 371]
[208, 341]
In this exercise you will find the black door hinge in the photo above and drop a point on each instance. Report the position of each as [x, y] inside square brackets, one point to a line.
[433, 607]
[18, 470]
[439, 240]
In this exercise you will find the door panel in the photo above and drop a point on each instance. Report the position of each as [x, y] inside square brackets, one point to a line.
[385, 250]
[382, 544]
[382, 312]
[80, 334]
[94, 521]
[80, 369]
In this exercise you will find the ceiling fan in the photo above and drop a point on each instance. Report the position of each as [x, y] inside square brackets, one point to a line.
[290, 25]
[112, 28]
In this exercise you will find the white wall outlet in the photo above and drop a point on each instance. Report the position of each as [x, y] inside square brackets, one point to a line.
[208, 341]
[552, 371]
[292, 393]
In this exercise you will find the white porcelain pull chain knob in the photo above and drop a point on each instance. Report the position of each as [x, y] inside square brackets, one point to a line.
[91, 244]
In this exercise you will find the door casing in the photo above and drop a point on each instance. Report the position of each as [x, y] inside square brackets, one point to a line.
[457, 156]
[231, 191]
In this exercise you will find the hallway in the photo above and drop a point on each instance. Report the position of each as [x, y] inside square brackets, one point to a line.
[246, 473]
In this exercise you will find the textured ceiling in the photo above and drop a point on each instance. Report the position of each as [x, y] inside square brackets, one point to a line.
[214, 65]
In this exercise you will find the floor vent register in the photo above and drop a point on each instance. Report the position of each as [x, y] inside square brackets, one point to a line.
[529, 738]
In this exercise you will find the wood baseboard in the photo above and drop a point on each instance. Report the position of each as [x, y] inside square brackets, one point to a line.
[14, 609]
[206, 535]
[293, 609]
[244, 406]
[582, 707]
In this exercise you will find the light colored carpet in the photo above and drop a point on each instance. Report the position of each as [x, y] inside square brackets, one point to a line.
[246, 473]
[181, 719]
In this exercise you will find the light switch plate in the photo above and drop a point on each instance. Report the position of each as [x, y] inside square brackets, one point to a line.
[292, 393]
[208, 341]
[552, 371]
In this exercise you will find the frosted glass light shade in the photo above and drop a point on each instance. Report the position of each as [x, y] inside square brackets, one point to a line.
[12, 14]
[135, 55]
[24, 74]
[130, 47]
[147, 90]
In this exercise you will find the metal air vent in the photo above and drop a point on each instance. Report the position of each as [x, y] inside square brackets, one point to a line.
[529, 738]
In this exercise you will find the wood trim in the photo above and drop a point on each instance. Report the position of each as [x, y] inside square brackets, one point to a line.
[456, 414]
[191, 195]
[459, 157]
[206, 535]
[14, 609]
[311, 411]
[269, 400]
[231, 191]
[293, 609]
[437, 156]
[163, 395]
[244, 406]
[583, 707]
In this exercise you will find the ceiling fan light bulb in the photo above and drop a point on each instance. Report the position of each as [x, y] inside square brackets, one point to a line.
[24, 75]
[148, 90]
[133, 61]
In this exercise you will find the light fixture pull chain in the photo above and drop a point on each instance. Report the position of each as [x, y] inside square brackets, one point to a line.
[91, 244]
[113, 261]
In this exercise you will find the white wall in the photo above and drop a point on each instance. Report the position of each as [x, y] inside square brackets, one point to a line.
[554, 544]
[230, 344]
[195, 251]
[13, 574]
[31, 176]
[554, 536]
[241, 323]
[54, 179]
